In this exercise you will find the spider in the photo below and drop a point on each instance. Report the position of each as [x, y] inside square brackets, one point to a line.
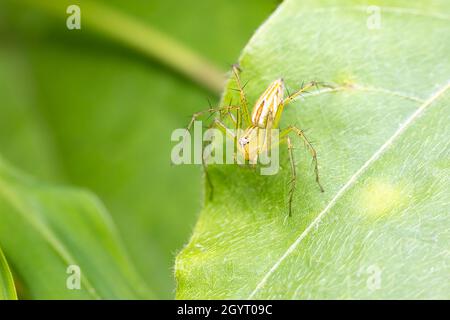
[266, 115]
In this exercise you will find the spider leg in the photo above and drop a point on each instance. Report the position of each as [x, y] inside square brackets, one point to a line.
[303, 89]
[243, 98]
[267, 145]
[223, 128]
[196, 115]
[293, 180]
[228, 133]
[308, 145]
[208, 178]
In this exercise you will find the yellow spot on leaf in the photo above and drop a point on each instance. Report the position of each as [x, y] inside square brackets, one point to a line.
[380, 198]
[345, 79]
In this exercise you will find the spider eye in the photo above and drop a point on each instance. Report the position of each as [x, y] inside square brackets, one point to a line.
[243, 141]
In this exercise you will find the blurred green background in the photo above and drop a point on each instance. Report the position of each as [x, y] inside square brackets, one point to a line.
[79, 108]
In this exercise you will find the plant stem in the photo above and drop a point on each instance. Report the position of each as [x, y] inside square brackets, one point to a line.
[144, 38]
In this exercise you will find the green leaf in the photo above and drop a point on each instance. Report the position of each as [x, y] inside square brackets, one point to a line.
[380, 229]
[7, 288]
[45, 230]
[79, 108]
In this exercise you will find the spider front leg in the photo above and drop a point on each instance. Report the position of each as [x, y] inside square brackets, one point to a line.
[208, 178]
[196, 115]
[217, 124]
[224, 129]
[303, 89]
[243, 99]
[308, 145]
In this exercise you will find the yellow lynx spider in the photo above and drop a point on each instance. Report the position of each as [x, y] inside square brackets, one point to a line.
[266, 114]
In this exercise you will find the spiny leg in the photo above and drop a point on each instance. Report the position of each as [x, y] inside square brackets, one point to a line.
[309, 146]
[208, 178]
[196, 115]
[188, 128]
[267, 145]
[223, 128]
[233, 119]
[228, 133]
[303, 89]
[243, 98]
[293, 180]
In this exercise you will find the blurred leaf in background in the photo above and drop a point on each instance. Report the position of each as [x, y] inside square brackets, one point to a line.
[62, 242]
[7, 288]
[381, 228]
[78, 108]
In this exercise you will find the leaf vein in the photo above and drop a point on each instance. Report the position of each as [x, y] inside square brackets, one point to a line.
[366, 88]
